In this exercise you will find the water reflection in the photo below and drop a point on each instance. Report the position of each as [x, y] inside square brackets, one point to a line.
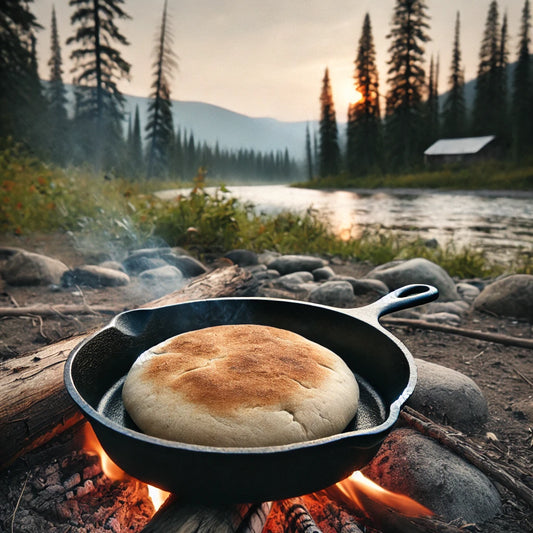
[498, 224]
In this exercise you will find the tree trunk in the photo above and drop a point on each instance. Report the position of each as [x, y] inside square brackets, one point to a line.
[35, 405]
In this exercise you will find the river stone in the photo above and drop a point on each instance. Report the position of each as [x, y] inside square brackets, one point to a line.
[323, 273]
[415, 465]
[449, 397]
[333, 293]
[362, 287]
[396, 274]
[467, 291]
[135, 264]
[450, 319]
[510, 296]
[298, 282]
[28, 268]
[189, 266]
[242, 258]
[163, 280]
[95, 276]
[287, 264]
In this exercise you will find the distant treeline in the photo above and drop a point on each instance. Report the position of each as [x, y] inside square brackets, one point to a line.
[38, 115]
[393, 139]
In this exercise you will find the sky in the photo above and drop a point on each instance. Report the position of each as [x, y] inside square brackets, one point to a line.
[266, 58]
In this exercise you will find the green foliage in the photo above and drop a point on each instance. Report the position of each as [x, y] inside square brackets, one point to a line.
[489, 175]
[116, 213]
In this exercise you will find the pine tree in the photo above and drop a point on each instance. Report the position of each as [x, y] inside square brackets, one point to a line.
[404, 110]
[135, 159]
[160, 127]
[17, 69]
[432, 126]
[454, 108]
[56, 94]
[523, 90]
[329, 152]
[308, 154]
[99, 66]
[364, 142]
[489, 102]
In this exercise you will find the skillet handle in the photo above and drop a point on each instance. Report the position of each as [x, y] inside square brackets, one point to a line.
[402, 298]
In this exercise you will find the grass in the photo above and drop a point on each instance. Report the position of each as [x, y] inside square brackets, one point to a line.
[489, 175]
[107, 214]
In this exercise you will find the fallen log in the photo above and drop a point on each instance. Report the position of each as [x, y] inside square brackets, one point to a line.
[35, 406]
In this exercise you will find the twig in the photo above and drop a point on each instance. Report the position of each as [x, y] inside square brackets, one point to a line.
[18, 503]
[472, 333]
[441, 434]
[526, 379]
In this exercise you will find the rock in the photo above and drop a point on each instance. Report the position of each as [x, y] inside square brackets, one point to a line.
[189, 266]
[135, 264]
[323, 273]
[451, 319]
[94, 276]
[299, 282]
[415, 465]
[287, 264]
[467, 291]
[511, 296]
[449, 397]
[28, 268]
[163, 280]
[114, 265]
[242, 257]
[364, 286]
[399, 273]
[458, 307]
[333, 293]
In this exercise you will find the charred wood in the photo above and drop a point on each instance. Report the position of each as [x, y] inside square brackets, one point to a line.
[35, 406]
[177, 516]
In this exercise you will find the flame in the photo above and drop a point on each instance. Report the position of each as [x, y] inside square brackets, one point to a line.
[92, 446]
[158, 496]
[358, 488]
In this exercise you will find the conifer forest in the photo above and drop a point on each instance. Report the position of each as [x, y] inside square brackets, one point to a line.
[400, 112]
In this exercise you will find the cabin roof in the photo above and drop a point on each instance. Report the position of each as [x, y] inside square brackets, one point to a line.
[466, 145]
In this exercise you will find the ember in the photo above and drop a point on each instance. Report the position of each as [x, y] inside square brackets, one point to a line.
[92, 446]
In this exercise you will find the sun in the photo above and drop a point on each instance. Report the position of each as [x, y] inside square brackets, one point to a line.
[356, 96]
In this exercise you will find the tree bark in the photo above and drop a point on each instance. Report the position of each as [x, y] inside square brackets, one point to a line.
[35, 405]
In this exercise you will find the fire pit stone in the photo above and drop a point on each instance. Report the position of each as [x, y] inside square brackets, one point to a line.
[449, 397]
[419, 467]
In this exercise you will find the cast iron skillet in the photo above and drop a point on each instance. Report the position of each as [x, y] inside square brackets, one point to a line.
[385, 370]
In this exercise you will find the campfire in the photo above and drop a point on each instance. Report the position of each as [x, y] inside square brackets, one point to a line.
[352, 504]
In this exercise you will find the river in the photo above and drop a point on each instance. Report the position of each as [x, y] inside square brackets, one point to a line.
[501, 223]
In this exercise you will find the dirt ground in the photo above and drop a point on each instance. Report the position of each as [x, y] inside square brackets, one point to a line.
[504, 373]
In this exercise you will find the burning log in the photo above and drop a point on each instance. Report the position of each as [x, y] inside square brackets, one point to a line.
[449, 438]
[35, 406]
[175, 516]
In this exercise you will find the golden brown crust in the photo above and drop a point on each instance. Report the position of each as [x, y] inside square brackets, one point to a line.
[224, 368]
[240, 385]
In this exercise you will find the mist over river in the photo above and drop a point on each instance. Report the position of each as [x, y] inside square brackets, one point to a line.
[501, 223]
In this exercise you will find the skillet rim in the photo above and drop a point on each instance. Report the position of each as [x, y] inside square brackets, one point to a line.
[371, 319]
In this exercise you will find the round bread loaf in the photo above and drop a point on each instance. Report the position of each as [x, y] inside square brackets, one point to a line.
[240, 385]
